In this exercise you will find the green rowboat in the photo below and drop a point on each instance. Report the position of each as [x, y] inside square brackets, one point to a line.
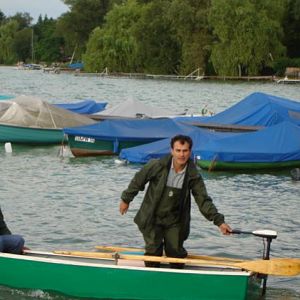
[30, 135]
[31, 120]
[111, 136]
[235, 166]
[87, 146]
[104, 279]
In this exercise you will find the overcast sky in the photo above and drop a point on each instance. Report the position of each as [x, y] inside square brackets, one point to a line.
[51, 8]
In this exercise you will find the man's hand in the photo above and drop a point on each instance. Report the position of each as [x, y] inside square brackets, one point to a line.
[123, 207]
[24, 249]
[225, 229]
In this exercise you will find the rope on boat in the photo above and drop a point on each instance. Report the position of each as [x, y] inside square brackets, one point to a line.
[213, 163]
[62, 146]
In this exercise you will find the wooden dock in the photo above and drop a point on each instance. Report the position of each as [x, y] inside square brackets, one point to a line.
[195, 78]
[288, 81]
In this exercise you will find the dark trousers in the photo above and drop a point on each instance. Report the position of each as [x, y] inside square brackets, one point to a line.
[164, 238]
[11, 243]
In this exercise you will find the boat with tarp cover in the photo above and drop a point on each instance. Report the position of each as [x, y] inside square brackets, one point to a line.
[109, 137]
[274, 147]
[100, 278]
[31, 120]
[258, 109]
[86, 107]
[133, 109]
[144, 153]
[271, 148]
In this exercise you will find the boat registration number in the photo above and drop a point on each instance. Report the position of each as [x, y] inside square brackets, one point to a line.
[84, 139]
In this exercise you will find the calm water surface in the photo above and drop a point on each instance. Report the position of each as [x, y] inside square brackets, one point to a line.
[72, 203]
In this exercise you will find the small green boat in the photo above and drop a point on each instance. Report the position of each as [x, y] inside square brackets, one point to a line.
[111, 136]
[271, 148]
[254, 166]
[89, 146]
[107, 279]
[31, 120]
[27, 135]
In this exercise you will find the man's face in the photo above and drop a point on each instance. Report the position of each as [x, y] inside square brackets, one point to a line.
[181, 153]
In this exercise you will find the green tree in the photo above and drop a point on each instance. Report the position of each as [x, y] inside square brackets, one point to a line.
[2, 17]
[158, 47]
[189, 19]
[47, 44]
[114, 46]
[248, 35]
[291, 27]
[7, 33]
[24, 20]
[76, 25]
[21, 44]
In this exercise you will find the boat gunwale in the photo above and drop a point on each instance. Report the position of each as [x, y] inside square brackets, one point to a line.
[219, 165]
[31, 127]
[30, 256]
[113, 138]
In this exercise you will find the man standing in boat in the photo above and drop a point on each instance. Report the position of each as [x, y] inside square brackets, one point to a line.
[164, 216]
[9, 243]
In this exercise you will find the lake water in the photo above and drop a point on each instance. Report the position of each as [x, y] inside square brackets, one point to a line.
[72, 203]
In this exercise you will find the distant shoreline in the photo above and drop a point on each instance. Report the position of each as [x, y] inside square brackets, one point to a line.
[174, 77]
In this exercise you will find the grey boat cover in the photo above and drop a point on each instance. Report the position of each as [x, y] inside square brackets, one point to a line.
[135, 109]
[29, 111]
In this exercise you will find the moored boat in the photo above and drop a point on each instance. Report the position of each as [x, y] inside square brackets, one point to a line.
[142, 154]
[110, 279]
[274, 147]
[6, 97]
[111, 136]
[86, 107]
[258, 109]
[133, 109]
[271, 148]
[26, 135]
[30, 120]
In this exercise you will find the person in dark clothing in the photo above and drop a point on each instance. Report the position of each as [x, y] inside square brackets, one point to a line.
[164, 216]
[9, 243]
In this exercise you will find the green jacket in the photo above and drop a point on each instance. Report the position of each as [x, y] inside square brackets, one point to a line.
[3, 228]
[156, 173]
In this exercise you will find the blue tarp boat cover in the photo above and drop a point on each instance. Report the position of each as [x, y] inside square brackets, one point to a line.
[192, 119]
[259, 109]
[131, 130]
[84, 107]
[278, 143]
[142, 154]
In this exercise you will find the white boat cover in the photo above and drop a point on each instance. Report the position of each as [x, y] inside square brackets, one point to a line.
[135, 109]
[29, 111]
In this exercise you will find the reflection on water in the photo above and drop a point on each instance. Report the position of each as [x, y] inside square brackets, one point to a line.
[72, 203]
[15, 294]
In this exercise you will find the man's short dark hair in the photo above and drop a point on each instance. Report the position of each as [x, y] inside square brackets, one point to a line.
[182, 139]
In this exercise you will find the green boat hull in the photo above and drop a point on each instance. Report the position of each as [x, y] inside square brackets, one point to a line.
[221, 165]
[86, 146]
[104, 280]
[30, 135]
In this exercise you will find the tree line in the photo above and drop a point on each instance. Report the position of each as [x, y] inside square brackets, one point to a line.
[220, 37]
